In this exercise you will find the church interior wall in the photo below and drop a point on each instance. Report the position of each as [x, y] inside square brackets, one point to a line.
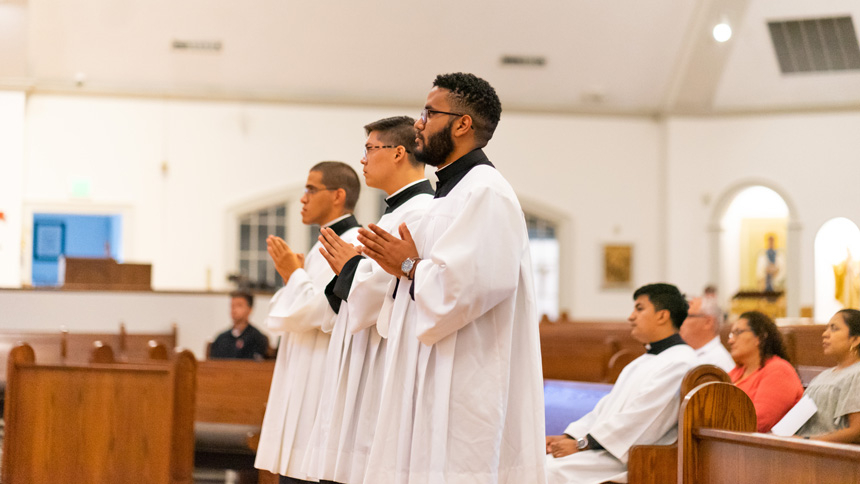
[809, 158]
[176, 168]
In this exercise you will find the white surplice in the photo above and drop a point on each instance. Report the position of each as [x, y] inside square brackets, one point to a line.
[297, 310]
[714, 353]
[462, 398]
[349, 405]
[642, 408]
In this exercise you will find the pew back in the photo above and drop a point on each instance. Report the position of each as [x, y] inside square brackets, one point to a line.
[719, 446]
[713, 405]
[233, 391]
[64, 346]
[584, 351]
[658, 464]
[98, 423]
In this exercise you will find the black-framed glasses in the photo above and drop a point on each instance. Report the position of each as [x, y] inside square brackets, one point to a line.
[371, 148]
[737, 332]
[315, 190]
[425, 113]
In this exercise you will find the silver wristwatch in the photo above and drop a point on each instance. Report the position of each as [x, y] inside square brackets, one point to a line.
[582, 443]
[408, 264]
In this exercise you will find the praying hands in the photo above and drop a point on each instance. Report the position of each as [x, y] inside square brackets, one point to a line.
[286, 261]
[387, 250]
[336, 252]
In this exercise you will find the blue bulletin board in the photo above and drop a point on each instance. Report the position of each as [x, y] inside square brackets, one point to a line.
[48, 241]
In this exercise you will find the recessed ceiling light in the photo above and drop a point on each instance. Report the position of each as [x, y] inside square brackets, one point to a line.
[722, 31]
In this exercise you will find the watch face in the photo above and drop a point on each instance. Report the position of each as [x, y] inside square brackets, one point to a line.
[406, 266]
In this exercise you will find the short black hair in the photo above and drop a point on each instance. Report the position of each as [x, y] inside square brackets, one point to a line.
[247, 296]
[336, 174]
[397, 131]
[668, 297]
[476, 97]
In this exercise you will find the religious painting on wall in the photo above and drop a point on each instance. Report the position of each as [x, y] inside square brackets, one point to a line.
[763, 254]
[617, 265]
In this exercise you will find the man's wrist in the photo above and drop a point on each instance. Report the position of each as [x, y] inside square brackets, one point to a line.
[407, 267]
[411, 275]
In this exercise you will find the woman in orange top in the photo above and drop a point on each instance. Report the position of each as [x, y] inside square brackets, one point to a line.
[763, 371]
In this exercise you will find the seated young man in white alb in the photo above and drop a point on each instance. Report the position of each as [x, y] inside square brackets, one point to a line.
[642, 407]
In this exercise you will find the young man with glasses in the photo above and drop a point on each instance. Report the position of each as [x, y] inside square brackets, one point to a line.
[462, 395]
[298, 310]
[343, 430]
[641, 409]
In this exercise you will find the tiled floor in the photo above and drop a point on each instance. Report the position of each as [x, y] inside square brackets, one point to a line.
[214, 476]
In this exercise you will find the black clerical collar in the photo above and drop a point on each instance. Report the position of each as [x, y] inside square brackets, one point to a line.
[664, 344]
[343, 225]
[450, 175]
[404, 195]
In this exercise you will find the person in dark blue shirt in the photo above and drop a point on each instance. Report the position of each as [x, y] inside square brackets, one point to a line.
[243, 340]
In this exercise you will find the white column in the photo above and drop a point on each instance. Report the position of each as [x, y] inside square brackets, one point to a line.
[12, 118]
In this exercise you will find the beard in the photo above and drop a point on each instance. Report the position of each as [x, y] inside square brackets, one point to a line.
[436, 148]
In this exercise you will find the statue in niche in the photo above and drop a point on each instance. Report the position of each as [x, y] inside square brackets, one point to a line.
[770, 267]
[847, 278]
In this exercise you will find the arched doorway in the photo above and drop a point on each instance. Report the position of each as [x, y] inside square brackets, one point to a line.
[757, 240]
[837, 257]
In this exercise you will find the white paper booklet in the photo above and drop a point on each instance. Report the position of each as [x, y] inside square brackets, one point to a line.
[795, 418]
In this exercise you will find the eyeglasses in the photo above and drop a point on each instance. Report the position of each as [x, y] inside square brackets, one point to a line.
[425, 113]
[737, 332]
[371, 148]
[315, 190]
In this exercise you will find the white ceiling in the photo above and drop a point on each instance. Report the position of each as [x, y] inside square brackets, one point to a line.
[616, 57]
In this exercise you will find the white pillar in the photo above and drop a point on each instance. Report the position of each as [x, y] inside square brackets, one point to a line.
[12, 118]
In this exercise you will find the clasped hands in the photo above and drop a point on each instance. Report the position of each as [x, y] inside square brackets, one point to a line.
[560, 445]
[336, 252]
[286, 261]
[387, 250]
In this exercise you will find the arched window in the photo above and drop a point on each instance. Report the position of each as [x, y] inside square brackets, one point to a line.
[757, 217]
[837, 260]
[256, 269]
[545, 263]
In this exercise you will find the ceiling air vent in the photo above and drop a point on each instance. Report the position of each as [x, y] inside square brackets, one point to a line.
[523, 60]
[204, 45]
[815, 45]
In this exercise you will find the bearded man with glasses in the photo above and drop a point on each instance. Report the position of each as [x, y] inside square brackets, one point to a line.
[462, 395]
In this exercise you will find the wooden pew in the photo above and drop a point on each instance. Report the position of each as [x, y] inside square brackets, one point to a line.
[586, 351]
[233, 391]
[231, 403]
[66, 346]
[802, 343]
[99, 423]
[718, 445]
[136, 345]
[658, 464]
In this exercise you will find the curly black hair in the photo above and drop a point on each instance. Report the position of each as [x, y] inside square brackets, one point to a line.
[476, 97]
[770, 339]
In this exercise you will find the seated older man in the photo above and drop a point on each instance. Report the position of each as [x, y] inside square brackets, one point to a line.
[701, 330]
[642, 407]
